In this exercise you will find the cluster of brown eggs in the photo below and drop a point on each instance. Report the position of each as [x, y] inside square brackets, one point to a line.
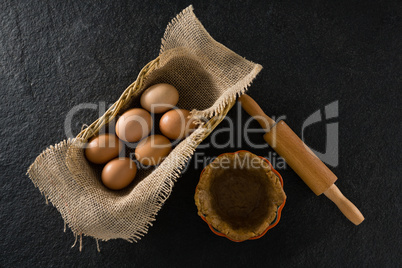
[133, 128]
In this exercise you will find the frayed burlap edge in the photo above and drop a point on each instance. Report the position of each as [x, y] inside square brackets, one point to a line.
[231, 93]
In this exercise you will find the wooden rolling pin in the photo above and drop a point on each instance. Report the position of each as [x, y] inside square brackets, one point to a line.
[301, 159]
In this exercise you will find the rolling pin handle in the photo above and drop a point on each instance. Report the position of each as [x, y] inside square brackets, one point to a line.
[348, 208]
[253, 109]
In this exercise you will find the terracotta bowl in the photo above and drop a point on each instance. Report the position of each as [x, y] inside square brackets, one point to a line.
[240, 196]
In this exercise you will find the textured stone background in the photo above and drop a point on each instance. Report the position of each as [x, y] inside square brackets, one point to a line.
[55, 55]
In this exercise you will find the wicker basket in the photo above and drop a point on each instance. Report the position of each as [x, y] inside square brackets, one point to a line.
[208, 77]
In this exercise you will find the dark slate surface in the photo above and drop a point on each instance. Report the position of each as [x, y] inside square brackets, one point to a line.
[55, 55]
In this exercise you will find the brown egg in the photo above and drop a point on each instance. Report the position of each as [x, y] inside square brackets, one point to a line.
[152, 150]
[119, 173]
[134, 125]
[175, 124]
[103, 148]
[159, 98]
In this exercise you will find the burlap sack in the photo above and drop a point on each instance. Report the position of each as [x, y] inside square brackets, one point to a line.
[208, 77]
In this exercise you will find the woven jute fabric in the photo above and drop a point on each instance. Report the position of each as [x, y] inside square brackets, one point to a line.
[208, 77]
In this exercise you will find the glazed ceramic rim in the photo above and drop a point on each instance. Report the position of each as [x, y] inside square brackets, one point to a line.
[278, 211]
